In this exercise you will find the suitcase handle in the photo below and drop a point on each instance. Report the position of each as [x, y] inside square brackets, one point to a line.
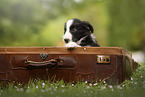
[45, 64]
[63, 62]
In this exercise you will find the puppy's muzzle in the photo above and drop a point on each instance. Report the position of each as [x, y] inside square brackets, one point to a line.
[66, 40]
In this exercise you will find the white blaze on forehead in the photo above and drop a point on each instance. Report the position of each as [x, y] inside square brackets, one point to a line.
[68, 24]
[67, 34]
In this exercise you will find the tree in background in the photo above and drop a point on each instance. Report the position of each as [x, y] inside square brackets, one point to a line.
[127, 23]
[40, 22]
[20, 21]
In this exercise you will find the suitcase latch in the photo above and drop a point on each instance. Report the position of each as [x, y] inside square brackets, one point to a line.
[103, 59]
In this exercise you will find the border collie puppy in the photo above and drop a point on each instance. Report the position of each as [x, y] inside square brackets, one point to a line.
[78, 33]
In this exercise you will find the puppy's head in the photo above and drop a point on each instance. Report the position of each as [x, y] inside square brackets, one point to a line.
[75, 30]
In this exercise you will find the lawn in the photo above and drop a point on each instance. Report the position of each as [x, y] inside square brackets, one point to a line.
[38, 88]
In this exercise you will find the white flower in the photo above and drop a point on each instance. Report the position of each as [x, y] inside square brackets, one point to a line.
[21, 89]
[88, 87]
[103, 88]
[110, 86]
[43, 84]
[63, 86]
[72, 84]
[95, 84]
[37, 87]
[90, 84]
[86, 82]
[104, 82]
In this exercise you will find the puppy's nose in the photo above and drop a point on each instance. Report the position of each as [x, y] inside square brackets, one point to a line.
[66, 40]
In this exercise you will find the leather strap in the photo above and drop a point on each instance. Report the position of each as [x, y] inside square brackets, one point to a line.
[45, 64]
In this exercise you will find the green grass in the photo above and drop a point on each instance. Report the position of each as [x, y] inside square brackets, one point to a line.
[38, 88]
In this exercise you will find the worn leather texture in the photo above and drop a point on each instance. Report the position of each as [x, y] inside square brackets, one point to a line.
[110, 64]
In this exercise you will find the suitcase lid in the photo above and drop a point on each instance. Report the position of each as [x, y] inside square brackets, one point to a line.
[63, 50]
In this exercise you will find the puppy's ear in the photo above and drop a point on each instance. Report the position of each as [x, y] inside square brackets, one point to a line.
[89, 26]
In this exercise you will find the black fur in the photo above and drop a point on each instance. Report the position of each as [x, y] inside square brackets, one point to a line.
[80, 29]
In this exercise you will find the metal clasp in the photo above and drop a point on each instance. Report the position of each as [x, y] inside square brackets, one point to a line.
[43, 56]
[103, 59]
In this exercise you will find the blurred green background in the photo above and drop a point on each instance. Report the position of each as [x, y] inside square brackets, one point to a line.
[119, 23]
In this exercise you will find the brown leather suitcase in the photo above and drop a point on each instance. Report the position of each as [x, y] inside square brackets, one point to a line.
[20, 64]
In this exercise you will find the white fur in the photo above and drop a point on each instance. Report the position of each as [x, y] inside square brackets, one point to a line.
[72, 45]
[79, 42]
[93, 38]
[67, 34]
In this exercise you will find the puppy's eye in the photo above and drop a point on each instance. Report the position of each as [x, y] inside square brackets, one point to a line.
[74, 29]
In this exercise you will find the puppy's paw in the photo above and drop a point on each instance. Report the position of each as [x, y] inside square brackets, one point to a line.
[71, 45]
